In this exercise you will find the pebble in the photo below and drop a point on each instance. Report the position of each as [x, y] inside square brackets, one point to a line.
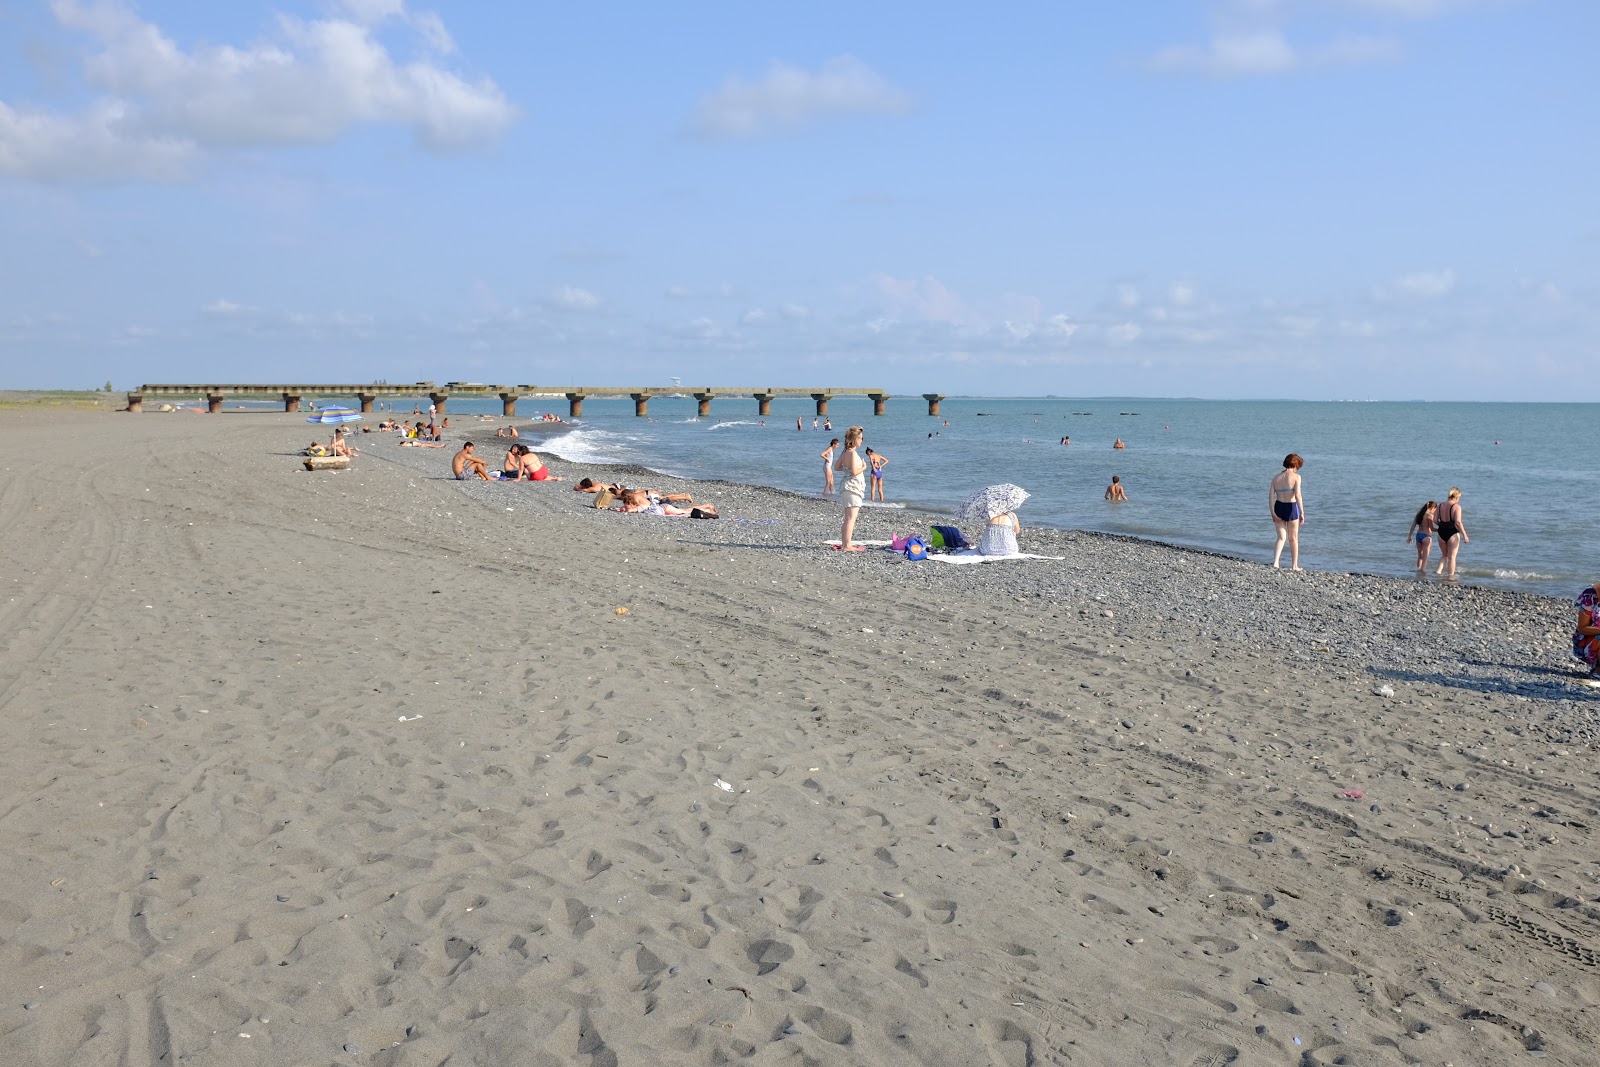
[1127, 724]
[352, 1048]
[282, 899]
[32, 1004]
[1545, 987]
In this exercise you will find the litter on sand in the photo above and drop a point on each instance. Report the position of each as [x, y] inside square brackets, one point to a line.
[724, 786]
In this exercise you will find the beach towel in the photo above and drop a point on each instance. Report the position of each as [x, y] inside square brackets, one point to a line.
[858, 541]
[972, 555]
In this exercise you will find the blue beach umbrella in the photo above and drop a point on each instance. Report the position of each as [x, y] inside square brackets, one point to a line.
[333, 416]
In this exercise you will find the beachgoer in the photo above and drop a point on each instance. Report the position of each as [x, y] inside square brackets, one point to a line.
[506, 431]
[1000, 535]
[533, 467]
[639, 501]
[1422, 533]
[1114, 491]
[798, 427]
[1066, 440]
[877, 462]
[1586, 638]
[420, 444]
[1288, 509]
[1452, 534]
[464, 461]
[339, 446]
[1118, 444]
[855, 487]
[827, 424]
[827, 466]
[444, 424]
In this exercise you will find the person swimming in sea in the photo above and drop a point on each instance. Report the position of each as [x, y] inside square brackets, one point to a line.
[1288, 509]
[1115, 491]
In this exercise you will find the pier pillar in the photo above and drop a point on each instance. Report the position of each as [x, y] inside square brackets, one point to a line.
[366, 401]
[508, 404]
[575, 405]
[879, 402]
[214, 402]
[291, 402]
[763, 403]
[822, 403]
[135, 402]
[641, 404]
[933, 402]
[705, 402]
[439, 400]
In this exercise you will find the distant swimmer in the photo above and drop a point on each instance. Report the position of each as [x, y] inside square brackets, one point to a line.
[1066, 440]
[1288, 509]
[1114, 491]
[798, 426]
[1118, 444]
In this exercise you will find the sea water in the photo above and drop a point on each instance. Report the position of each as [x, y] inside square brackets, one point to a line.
[1196, 471]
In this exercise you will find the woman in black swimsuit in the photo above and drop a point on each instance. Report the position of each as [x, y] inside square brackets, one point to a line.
[1451, 532]
[1288, 509]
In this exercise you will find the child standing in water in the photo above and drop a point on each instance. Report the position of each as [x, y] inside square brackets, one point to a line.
[1422, 532]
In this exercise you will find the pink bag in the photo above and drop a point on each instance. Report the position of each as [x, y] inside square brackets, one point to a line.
[899, 543]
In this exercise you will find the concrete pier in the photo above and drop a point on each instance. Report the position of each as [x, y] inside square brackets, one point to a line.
[439, 396]
[933, 402]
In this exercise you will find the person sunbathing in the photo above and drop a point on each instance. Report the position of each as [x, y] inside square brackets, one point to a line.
[638, 501]
[616, 489]
[523, 462]
[339, 446]
[506, 431]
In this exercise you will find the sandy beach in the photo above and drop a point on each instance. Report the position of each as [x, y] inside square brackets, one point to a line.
[378, 767]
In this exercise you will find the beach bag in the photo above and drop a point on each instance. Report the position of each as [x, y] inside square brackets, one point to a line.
[916, 549]
[949, 538]
[603, 499]
[706, 512]
[899, 543]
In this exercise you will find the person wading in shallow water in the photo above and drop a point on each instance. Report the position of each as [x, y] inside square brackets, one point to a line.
[1452, 532]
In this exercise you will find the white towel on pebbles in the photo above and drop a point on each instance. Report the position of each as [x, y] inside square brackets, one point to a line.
[972, 555]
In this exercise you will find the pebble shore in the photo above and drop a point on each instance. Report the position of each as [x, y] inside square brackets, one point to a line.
[1476, 639]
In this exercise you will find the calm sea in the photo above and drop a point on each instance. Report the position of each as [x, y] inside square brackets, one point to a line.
[1196, 470]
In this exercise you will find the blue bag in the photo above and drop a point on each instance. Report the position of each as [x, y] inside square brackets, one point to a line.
[916, 548]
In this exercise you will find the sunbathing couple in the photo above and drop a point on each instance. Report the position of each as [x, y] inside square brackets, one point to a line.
[643, 501]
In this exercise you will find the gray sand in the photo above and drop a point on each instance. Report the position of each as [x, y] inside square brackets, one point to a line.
[377, 766]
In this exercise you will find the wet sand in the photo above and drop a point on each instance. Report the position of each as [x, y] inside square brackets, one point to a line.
[380, 767]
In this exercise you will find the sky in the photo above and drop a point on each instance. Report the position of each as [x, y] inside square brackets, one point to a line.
[1313, 199]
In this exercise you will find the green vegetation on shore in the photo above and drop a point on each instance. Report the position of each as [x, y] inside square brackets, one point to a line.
[71, 399]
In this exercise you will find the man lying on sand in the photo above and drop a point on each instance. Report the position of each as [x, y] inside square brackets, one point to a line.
[464, 461]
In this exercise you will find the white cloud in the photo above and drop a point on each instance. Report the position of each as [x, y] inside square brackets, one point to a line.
[753, 317]
[571, 298]
[1424, 285]
[1266, 51]
[927, 296]
[795, 311]
[224, 308]
[162, 108]
[1182, 294]
[1127, 296]
[790, 98]
[1124, 333]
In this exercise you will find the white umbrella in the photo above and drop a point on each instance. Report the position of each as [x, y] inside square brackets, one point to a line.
[994, 500]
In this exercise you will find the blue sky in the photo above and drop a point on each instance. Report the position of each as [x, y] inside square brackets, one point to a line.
[1391, 199]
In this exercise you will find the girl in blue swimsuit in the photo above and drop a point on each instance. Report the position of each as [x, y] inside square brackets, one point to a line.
[1422, 531]
[1288, 509]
